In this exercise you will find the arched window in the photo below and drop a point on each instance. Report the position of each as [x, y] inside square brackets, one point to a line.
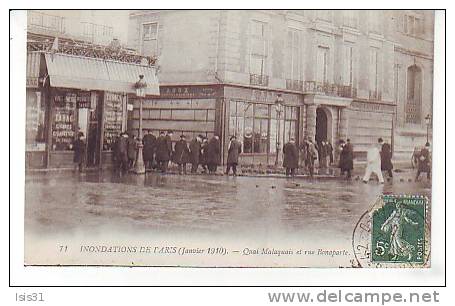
[414, 95]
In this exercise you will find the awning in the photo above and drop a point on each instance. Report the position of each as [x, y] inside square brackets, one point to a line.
[98, 74]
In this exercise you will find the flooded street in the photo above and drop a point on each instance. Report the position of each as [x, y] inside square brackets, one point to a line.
[202, 205]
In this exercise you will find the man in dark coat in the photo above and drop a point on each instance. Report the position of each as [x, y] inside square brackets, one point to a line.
[424, 163]
[181, 154]
[234, 150]
[122, 153]
[163, 153]
[79, 152]
[195, 152]
[346, 163]
[203, 157]
[291, 157]
[149, 141]
[213, 154]
[386, 157]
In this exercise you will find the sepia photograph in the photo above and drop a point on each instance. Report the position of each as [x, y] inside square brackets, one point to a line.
[229, 138]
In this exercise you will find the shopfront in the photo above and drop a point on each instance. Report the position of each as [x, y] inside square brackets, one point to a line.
[262, 126]
[79, 94]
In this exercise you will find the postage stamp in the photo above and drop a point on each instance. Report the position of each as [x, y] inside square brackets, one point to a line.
[394, 232]
[398, 230]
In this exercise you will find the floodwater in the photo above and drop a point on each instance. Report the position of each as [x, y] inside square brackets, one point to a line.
[199, 204]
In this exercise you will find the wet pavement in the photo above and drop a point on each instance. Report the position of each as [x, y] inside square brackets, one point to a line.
[68, 202]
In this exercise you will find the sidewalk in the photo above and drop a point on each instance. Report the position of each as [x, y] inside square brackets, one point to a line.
[256, 171]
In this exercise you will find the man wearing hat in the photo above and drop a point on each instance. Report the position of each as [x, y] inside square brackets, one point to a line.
[424, 164]
[181, 154]
[234, 150]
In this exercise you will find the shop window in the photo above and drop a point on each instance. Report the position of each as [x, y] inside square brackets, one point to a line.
[35, 122]
[256, 126]
[64, 120]
[114, 105]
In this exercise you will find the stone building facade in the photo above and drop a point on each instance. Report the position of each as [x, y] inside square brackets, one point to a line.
[340, 74]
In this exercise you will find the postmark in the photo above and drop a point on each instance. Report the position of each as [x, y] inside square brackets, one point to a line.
[394, 232]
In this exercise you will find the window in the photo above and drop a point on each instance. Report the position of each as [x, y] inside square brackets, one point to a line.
[293, 69]
[322, 65]
[414, 95]
[256, 125]
[350, 18]
[413, 25]
[258, 50]
[35, 124]
[374, 73]
[150, 39]
[348, 61]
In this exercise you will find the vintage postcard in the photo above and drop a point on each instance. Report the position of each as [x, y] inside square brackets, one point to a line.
[229, 138]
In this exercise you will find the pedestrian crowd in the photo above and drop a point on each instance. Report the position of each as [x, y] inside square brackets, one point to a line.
[202, 152]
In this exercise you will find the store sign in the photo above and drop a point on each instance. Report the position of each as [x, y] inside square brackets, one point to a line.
[32, 82]
[190, 92]
[83, 100]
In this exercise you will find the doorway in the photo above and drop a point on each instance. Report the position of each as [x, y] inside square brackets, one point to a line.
[321, 125]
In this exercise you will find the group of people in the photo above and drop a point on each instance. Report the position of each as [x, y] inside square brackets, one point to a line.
[159, 151]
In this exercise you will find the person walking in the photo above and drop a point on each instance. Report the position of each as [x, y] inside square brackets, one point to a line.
[163, 153]
[424, 162]
[79, 152]
[122, 153]
[195, 153]
[303, 150]
[373, 164]
[149, 142]
[213, 154]
[132, 151]
[234, 150]
[386, 157]
[181, 154]
[291, 157]
[204, 155]
[346, 162]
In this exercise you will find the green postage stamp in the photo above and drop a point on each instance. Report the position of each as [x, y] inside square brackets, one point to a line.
[398, 230]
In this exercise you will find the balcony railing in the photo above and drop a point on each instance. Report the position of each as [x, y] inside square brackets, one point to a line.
[375, 95]
[328, 89]
[259, 80]
[41, 21]
[294, 85]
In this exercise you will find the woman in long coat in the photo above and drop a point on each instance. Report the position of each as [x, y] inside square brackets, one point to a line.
[234, 150]
[290, 157]
[181, 154]
[213, 154]
[346, 159]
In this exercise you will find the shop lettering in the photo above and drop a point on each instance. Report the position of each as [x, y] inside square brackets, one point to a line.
[188, 92]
